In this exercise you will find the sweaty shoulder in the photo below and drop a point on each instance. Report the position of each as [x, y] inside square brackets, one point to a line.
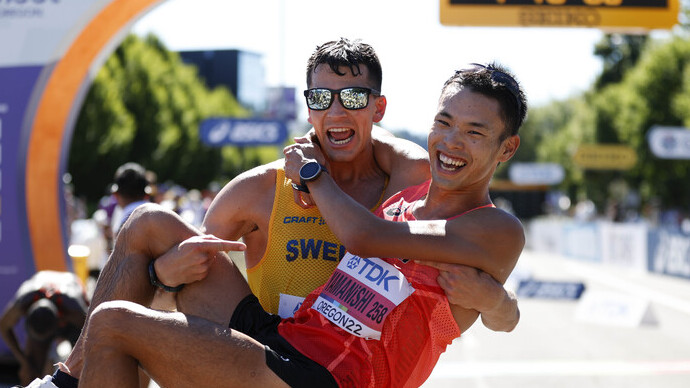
[496, 233]
[405, 162]
[244, 203]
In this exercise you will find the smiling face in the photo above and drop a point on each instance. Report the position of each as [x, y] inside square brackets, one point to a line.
[344, 134]
[467, 140]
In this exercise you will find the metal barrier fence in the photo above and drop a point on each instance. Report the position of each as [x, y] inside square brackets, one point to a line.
[635, 246]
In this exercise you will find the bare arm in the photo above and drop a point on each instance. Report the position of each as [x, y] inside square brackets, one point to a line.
[460, 241]
[505, 316]
[14, 311]
[234, 213]
[242, 203]
[73, 310]
[465, 286]
[488, 239]
[405, 162]
[470, 288]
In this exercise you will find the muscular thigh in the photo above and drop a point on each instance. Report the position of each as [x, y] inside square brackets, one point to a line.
[215, 297]
[179, 350]
[154, 231]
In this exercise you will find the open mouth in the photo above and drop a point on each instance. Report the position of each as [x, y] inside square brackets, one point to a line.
[340, 135]
[450, 164]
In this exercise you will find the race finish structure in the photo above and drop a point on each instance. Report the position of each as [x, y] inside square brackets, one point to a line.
[49, 53]
[615, 15]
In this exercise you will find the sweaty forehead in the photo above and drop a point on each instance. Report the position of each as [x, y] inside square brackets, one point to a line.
[471, 107]
[324, 77]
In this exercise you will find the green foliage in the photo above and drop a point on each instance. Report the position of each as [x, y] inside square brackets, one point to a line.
[619, 53]
[145, 105]
[651, 87]
[103, 134]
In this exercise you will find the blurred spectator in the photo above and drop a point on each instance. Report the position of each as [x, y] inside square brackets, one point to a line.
[104, 219]
[192, 208]
[154, 194]
[53, 305]
[614, 211]
[685, 225]
[131, 189]
[75, 208]
[671, 219]
[209, 194]
[585, 210]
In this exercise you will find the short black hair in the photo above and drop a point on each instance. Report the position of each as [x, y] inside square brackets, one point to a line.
[497, 82]
[130, 181]
[42, 320]
[348, 53]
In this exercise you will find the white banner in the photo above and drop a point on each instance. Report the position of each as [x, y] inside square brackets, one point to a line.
[669, 142]
[624, 245]
[37, 32]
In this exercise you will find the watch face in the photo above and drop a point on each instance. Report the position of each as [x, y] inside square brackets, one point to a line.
[309, 171]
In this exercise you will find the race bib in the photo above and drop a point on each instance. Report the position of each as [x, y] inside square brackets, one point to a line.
[288, 305]
[361, 293]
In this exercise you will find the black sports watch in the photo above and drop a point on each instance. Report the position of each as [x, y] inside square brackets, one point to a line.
[153, 278]
[307, 173]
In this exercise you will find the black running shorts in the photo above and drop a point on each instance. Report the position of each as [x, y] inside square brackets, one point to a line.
[290, 365]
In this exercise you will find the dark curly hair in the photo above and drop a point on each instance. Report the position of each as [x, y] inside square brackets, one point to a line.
[346, 53]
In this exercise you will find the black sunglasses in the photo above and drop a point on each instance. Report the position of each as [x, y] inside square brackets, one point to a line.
[352, 98]
[500, 78]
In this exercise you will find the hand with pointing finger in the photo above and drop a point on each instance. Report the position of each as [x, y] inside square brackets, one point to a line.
[191, 259]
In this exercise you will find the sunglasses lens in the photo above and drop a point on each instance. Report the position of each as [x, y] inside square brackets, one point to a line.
[350, 98]
[318, 99]
[354, 98]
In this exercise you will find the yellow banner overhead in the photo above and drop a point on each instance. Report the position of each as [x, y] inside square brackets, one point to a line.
[618, 15]
[605, 157]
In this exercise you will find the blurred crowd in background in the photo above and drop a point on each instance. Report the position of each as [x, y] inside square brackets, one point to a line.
[132, 185]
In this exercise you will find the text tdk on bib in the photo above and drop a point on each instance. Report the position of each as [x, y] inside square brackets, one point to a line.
[361, 293]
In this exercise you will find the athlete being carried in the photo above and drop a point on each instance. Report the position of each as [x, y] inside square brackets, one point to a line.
[448, 220]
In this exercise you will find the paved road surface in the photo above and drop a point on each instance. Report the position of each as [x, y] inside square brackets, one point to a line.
[555, 346]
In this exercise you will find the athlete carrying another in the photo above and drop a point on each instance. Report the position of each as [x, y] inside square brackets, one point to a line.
[289, 249]
[450, 219]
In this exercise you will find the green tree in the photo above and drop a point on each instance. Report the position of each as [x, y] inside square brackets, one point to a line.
[653, 90]
[558, 129]
[145, 105]
[619, 53]
[103, 134]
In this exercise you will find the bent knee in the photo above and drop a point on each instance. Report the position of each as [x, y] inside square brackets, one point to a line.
[150, 212]
[156, 228]
[109, 320]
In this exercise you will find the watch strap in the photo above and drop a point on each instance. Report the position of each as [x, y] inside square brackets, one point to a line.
[298, 187]
[153, 278]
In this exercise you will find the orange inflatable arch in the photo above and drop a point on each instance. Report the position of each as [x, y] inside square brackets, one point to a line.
[55, 116]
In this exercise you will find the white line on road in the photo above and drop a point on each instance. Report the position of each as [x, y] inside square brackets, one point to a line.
[446, 370]
[609, 280]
